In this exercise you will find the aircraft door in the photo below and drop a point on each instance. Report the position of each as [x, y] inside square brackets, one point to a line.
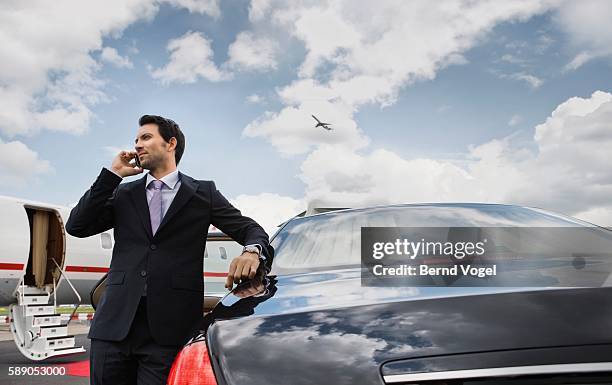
[48, 243]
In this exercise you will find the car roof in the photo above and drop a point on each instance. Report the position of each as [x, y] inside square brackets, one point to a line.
[402, 205]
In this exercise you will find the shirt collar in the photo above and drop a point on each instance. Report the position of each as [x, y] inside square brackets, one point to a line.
[169, 180]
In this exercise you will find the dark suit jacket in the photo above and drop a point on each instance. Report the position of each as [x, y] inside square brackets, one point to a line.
[169, 262]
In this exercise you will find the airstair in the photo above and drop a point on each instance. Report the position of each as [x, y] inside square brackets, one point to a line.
[38, 331]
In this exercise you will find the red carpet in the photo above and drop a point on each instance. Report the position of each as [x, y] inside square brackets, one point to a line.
[78, 369]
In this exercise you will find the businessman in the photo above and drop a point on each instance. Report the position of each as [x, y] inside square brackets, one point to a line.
[154, 292]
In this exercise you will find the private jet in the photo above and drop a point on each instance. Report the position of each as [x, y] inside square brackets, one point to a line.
[321, 124]
[42, 266]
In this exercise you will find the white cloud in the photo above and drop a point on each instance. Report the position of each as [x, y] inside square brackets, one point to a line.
[258, 9]
[191, 57]
[292, 130]
[47, 72]
[255, 99]
[343, 69]
[514, 120]
[209, 7]
[342, 177]
[579, 60]
[568, 172]
[544, 41]
[250, 53]
[522, 53]
[512, 59]
[19, 164]
[269, 210]
[587, 24]
[110, 55]
[533, 81]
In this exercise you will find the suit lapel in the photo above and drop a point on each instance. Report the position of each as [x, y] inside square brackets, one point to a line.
[184, 194]
[139, 197]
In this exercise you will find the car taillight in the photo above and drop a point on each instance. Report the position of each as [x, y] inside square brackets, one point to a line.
[192, 366]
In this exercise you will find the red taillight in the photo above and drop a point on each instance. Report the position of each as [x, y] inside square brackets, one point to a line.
[192, 366]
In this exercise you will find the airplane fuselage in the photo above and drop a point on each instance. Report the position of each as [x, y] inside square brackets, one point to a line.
[84, 260]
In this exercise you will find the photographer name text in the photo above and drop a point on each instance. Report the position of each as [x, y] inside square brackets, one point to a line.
[425, 270]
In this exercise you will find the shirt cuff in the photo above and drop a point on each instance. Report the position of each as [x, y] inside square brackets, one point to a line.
[263, 257]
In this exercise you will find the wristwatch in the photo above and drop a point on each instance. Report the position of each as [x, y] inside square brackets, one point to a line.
[253, 249]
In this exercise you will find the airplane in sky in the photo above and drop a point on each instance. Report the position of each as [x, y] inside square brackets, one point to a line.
[42, 266]
[321, 124]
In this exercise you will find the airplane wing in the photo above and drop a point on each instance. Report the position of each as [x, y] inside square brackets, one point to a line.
[315, 118]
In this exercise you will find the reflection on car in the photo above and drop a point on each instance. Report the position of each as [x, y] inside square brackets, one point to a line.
[312, 322]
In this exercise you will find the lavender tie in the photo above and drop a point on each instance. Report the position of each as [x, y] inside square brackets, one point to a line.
[155, 206]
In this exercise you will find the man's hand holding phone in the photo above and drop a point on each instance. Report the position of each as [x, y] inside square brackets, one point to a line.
[123, 166]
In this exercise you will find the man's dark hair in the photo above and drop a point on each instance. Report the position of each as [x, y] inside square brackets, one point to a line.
[167, 129]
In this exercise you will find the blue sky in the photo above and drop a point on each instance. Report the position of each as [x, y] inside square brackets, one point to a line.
[429, 103]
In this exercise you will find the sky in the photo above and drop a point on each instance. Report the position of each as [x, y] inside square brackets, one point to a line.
[446, 101]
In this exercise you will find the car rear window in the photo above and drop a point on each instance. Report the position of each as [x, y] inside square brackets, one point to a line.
[334, 239]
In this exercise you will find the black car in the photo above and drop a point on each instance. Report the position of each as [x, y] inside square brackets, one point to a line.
[313, 322]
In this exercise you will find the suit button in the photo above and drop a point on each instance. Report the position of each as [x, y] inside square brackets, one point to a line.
[153, 247]
[143, 273]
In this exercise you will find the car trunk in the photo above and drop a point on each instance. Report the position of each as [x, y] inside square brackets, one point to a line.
[334, 331]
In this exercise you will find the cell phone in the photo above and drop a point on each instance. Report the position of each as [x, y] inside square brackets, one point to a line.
[137, 161]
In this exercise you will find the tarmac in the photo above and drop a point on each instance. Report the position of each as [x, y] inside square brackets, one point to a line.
[75, 368]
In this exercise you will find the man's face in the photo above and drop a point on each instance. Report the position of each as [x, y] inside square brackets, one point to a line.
[152, 149]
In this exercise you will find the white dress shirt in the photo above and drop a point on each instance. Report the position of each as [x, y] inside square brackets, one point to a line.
[170, 187]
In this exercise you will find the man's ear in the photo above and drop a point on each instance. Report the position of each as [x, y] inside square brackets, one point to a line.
[172, 144]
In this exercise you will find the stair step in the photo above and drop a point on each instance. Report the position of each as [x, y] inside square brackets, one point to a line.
[66, 351]
[39, 309]
[46, 320]
[53, 331]
[33, 299]
[60, 349]
[58, 338]
[60, 342]
[31, 290]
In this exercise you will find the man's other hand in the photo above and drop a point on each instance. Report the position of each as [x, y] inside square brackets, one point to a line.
[122, 166]
[243, 267]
